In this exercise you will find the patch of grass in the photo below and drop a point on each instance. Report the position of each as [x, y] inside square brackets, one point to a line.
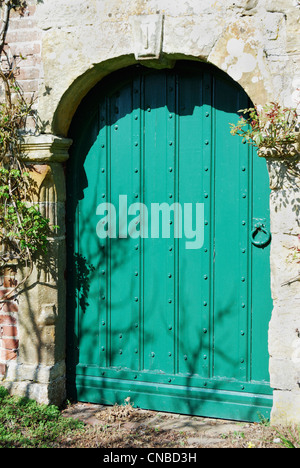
[26, 424]
[290, 437]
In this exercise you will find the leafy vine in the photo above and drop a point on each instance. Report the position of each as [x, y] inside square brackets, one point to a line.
[273, 127]
[23, 229]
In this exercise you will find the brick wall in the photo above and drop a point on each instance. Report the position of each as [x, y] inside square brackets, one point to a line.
[23, 51]
[9, 342]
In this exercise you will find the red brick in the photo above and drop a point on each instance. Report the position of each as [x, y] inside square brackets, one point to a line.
[2, 369]
[28, 73]
[22, 35]
[10, 343]
[29, 61]
[23, 49]
[21, 23]
[9, 282]
[9, 271]
[8, 355]
[27, 12]
[8, 306]
[7, 320]
[3, 292]
[7, 294]
[9, 330]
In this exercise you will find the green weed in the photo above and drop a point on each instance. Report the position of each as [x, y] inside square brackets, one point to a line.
[26, 424]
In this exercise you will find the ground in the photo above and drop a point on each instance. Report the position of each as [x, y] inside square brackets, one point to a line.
[126, 427]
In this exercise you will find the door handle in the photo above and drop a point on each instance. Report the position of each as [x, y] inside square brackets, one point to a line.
[259, 227]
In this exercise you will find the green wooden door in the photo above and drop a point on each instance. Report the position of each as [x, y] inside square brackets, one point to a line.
[176, 319]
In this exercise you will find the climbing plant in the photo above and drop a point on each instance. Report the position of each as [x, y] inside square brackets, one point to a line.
[272, 127]
[23, 229]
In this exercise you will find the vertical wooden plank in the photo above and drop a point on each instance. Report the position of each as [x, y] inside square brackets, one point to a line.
[158, 303]
[124, 285]
[104, 143]
[87, 255]
[172, 256]
[262, 303]
[227, 279]
[191, 273]
[208, 145]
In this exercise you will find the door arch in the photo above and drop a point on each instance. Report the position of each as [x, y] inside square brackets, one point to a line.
[177, 329]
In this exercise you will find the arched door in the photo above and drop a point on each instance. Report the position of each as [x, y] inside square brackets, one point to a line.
[168, 269]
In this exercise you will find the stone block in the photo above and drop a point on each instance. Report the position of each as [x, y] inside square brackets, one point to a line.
[286, 408]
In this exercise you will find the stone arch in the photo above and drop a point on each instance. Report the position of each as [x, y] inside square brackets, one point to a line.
[238, 51]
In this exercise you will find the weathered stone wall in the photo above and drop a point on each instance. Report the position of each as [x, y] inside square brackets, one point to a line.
[69, 46]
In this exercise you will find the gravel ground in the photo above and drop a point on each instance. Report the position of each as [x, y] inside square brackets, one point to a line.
[126, 427]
